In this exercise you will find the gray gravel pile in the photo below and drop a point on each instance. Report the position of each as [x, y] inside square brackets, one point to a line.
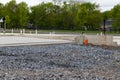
[59, 62]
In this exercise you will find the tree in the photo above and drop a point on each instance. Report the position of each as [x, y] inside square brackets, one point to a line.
[46, 16]
[89, 16]
[7, 20]
[70, 15]
[22, 15]
[106, 15]
[1, 10]
[116, 17]
[38, 15]
[16, 14]
[10, 10]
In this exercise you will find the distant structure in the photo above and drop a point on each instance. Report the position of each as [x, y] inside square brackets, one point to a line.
[108, 25]
[1, 21]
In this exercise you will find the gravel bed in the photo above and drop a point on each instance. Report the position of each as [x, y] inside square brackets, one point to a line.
[59, 62]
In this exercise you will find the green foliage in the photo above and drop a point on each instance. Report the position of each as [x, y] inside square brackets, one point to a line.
[22, 15]
[1, 10]
[116, 16]
[106, 15]
[68, 16]
[7, 19]
[38, 15]
[16, 14]
[10, 10]
[89, 16]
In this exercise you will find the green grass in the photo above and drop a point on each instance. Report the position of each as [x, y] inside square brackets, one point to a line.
[65, 31]
[68, 32]
[78, 31]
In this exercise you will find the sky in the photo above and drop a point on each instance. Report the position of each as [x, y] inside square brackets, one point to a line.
[104, 4]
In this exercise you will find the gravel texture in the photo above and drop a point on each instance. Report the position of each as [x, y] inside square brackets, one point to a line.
[60, 62]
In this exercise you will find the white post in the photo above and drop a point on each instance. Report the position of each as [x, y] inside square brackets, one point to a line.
[50, 33]
[0, 27]
[0, 24]
[36, 32]
[12, 31]
[30, 32]
[97, 34]
[101, 33]
[20, 31]
[23, 31]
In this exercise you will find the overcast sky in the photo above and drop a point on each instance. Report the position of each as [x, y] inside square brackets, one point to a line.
[104, 4]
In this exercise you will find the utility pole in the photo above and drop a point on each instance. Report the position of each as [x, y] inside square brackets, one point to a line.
[104, 29]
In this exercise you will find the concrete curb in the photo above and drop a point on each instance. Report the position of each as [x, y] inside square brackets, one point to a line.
[98, 40]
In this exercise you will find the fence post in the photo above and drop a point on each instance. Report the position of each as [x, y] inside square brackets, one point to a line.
[36, 32]
[23, 31]
[12, 31]
[20, 31]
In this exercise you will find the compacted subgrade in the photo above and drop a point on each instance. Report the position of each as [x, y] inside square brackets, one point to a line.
[59, 62]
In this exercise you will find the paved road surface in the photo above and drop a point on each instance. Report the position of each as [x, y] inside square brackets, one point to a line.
[17, 40]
